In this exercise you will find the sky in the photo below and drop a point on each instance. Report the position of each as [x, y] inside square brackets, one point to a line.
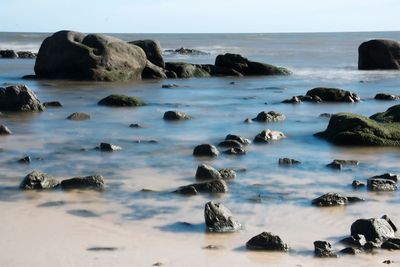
[201, 16]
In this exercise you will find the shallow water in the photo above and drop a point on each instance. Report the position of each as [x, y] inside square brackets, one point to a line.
[266, 197]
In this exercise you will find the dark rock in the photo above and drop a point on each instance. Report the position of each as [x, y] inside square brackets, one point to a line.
[109, 147]
[19, 98]
[219, 219]
[267, 241]
[389, 116]
[247, 67]
[171, 74]
[213, 186]
[352, 129]
[121, 101]
[388, 262]
[235, 151]
[391, 244]
[380, 184]
[186, 70]
[205, 150]
[87, 182]
[388, 176]
[173, 115]
[187, 51]
[333, 95]
[26, 54]
[171, 85]
[153, 51]
[219, 71]
[323, 249]
[25, 160]
[326, 115]
[241, 140]
[379, 54]
[340, 163]
[53, 104]
[135, 125]
[287, 161]
[357, 184]
[334, 199]
[102, 249]
[355, 241]
[383, 96]
[350, 251]
[270, 116]
[371, 245]
[74, 55]
[38, 180]
[78, 116]
[8, 54]
[4, 130]
[230, 144]
[206, 172]
[293, 100]
[267, 136]
[227, 174]
[373, 229]
[248, 120]
[152, 71]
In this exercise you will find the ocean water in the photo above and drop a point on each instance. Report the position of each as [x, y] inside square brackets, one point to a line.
[264, 197]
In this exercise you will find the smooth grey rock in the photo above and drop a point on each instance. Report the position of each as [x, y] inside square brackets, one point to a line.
[333, 95]
[205, 150]
[230, 144]
[79, 116]
[153, 51]
[121, 101]
[206, 172]
[379, 54]
[173, 115]
[19, 98]
[382, 96]
[219, 219]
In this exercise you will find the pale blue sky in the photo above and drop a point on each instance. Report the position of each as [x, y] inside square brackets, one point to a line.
[181, 16]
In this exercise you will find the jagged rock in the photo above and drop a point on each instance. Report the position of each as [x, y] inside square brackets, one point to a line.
[187, 51]
[121, 101]
[38, 180]
[287, 161]
[173, 115]
[267, 241]
[323, 249]
[213, 186]
[219, 219]
[383, 182]
[78, 116]
[206, 172]
[227, 174]
[373, 228]
[19, 98]
[4, 130]
[26, 54]
[205, 150]
[87, 182]
[267, 135]
[270, 116]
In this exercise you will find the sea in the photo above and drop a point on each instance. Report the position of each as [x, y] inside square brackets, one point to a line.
[264, 197]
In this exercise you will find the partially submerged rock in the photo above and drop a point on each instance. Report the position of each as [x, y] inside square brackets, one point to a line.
[78, 116]
[373, 228]
[4, 130]
[173, 115]
[241, 140]
[333, 95]
[267, 241]
[53, 104]
[26, 54]
[8, 53]
[121, 101]
[39, 181]
[235, 151]
[213, 186]
[227, 174]
[338, 164]
[267, 136]
[288, 161]
[219, 219]
[323, 249]
[186, 51]
[270, 116]
[109, 147]
[205, 150]
[334, 199]
[186, 70]
[25, 160]
[391, 244]
[206, 172]
[87, 182]
[383, 182]
[19, 98]
[379, 54]
[389, 116]
[230, 144]
[383, 96]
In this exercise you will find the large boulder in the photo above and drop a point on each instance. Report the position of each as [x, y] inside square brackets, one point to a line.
[153, 51]
[152, 71]
[373, 229]
[206, 172]
[379, 54]
[19, 98]
[219, 219]
[353, 129]
[38, 180]
[333, 95]
[247, 67]
[186, 70]
[74, 55]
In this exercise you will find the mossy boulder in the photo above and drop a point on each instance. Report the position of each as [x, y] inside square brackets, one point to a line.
[121, 101]
[353, 129]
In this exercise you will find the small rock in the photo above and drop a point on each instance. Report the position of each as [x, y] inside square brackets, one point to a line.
[325, 115]
[169, 86]
[382, 96]
[53, 104]
[338, 164]
[109, 147]
[38, 180]
[175, 116]
[241, 140]
[388, 262]
[227, 174]
[235, 151]
[206, 172]
[219, 219]
[267, 241]
[25, 160]
[230, 144]
[214, 186]
[121, 101]
[267, 135]
[135, 125]
[212, 247]
[287, 161]
[102, 249]
[357, 184]
[270, 116]
[205, 150]
[87, 182]
[293, 100]
[248, 120]
[4, 130]
[388, 176]
[158, 264]
[323, 249]
[78, 116]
